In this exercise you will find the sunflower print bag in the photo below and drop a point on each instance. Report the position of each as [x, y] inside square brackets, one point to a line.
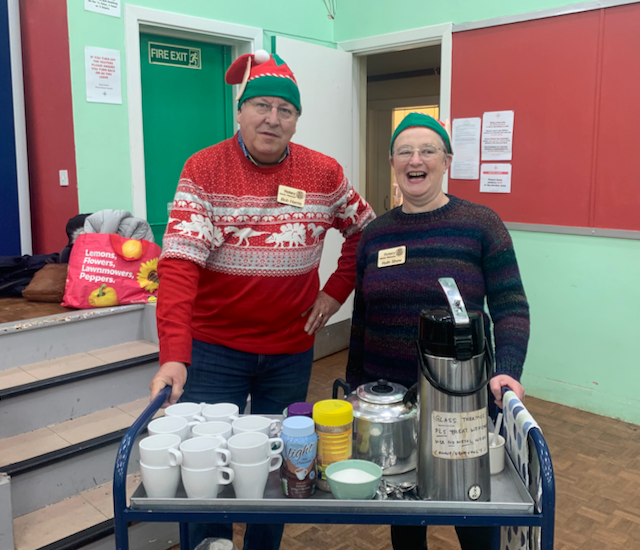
[108, 270]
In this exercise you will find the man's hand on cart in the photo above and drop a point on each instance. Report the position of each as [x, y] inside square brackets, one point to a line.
[172, 374]
[503, 380]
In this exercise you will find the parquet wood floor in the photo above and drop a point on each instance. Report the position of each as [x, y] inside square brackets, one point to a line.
[596, 461]
[597, 469]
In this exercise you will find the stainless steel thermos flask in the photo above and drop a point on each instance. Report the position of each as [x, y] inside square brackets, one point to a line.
[455, 367]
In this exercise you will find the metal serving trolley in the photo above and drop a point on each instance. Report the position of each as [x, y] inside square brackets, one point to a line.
[511, 503]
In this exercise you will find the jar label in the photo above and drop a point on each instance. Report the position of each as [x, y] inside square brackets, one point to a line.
[298, 472]
[332, 447]
[459, 435]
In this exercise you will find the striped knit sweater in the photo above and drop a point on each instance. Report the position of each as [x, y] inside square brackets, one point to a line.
[462, 240]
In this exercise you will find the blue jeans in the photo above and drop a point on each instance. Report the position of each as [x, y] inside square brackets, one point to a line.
[223, 375]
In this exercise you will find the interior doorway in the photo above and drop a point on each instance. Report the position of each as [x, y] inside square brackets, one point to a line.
[397, 83]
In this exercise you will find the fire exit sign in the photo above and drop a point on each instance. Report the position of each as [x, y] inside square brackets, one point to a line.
[177, 56]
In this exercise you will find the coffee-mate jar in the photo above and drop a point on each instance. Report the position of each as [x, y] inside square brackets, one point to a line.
[298, 472]
[334, 426]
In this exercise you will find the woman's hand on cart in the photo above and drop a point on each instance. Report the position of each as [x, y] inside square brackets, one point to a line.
[500, 381]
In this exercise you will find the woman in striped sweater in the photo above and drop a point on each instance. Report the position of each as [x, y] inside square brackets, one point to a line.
[400, 258]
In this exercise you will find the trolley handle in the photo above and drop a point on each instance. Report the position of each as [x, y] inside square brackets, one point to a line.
[124, 451]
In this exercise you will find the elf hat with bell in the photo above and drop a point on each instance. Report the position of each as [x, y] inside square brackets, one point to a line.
[260, 74]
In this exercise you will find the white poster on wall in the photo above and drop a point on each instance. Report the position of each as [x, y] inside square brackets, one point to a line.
[495, 178]
[106, 7]
[465, 142]
[497, 135]
[103, 75]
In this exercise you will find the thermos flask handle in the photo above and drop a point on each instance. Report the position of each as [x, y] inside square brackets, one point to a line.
[340, 383]
[488, 363]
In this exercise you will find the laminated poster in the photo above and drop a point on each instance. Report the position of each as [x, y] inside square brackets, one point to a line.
[497, 135]
[102, 67]
[105, 7]
[466, 147]
[495, 178]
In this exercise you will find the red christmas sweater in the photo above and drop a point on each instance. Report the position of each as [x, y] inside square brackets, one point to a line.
[238, 268]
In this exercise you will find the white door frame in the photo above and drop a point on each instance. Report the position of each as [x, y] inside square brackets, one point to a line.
[20, 127]
[241, 38]
[397, 41]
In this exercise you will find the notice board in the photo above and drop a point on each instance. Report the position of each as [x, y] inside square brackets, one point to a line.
[574, 84]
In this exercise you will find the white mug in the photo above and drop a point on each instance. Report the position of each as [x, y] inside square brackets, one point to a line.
[496, 455]
[253, 447]
[250, 480]
[161, 450]
[171, 425]
[189, 411]
[215, 427]
[202, 453]
[253, 423]
[204, 483]
[160, 481]
[221, 412]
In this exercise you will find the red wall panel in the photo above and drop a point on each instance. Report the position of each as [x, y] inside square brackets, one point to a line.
[547, 72]
[617, 203]
[50, 141]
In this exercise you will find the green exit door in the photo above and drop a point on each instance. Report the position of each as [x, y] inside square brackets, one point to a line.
[186, 106]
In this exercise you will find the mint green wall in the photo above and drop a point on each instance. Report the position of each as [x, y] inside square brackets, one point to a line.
[362, 18]
[585, 320]
[102, 131]
[583, 291]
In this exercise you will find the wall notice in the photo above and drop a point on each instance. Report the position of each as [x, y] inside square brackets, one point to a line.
[466, 145]
[103, 75]
[106, 7]
[497, 135]
[495, 178]
[459, 435]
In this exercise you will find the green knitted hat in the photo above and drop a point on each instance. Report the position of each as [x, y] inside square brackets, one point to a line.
[418, 119]
[260, 74]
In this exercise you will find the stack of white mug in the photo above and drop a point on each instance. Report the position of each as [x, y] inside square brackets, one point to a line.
[197, 442]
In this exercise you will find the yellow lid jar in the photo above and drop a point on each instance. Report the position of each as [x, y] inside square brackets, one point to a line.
[334, 426]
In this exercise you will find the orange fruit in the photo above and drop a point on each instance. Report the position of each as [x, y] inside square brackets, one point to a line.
[132, 249]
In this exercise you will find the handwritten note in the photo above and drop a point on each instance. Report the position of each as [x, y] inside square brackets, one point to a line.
[459, 435]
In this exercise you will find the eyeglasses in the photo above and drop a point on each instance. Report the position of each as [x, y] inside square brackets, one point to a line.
[263, 108]
[426, 152]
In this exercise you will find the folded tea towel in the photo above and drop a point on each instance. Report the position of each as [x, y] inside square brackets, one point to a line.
[517, 423]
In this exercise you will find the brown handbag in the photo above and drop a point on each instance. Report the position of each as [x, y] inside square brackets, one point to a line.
[47, 284]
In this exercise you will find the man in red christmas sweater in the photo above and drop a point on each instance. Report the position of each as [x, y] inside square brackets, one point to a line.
[239, 298]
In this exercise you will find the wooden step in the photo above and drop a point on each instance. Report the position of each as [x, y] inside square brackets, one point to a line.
[50, 392]
[68, 517]
[14, 378]
[56, 336]
[23, 447]
[82, 452]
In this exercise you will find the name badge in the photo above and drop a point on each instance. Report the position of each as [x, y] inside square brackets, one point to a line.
[392, 256]
[291, 196]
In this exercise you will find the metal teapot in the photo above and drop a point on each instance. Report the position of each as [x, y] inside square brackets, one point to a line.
[385, 424]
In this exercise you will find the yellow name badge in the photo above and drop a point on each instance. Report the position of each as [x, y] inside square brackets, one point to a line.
[291, 196]
[392, 256]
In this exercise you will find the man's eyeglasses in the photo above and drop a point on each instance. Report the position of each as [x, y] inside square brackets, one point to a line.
[426, 152]
[263, 108]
